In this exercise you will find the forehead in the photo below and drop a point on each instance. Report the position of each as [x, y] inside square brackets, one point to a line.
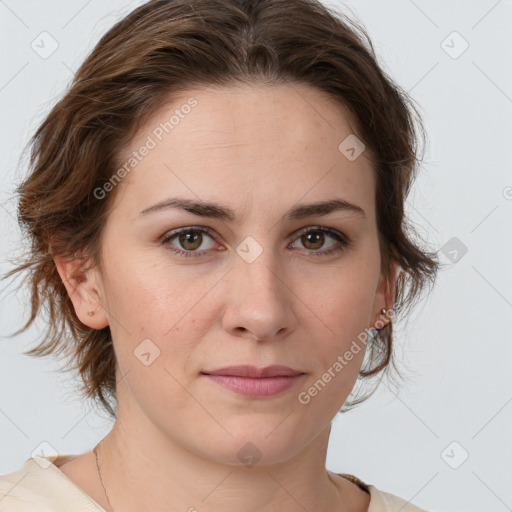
[264, 141]
[256, 110]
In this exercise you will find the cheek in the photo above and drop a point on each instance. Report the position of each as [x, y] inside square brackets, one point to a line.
[344, 294]
[161, 311]
[338, 348]
[145, 294]
[343, 306]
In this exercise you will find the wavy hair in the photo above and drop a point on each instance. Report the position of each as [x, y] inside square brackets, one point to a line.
[160, 49]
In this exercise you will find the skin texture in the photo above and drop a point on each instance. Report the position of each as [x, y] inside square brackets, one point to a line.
[258, 150]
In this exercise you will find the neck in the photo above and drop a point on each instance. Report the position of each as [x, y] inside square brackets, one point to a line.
[175, 478]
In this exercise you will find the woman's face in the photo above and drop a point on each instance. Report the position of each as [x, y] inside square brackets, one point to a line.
[261, 287]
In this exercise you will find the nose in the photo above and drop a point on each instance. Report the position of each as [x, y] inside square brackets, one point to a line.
[259, 301]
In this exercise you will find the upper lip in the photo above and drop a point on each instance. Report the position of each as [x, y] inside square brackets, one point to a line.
[253, 371]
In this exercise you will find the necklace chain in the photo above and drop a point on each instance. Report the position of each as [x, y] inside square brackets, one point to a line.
[95, 450]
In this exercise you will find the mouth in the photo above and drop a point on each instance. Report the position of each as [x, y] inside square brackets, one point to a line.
[255, 382]
[254, 372]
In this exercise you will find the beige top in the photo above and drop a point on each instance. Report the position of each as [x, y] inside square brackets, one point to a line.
[40, 482]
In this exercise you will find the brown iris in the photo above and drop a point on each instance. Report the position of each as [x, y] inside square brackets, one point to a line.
[314, 237]
[192, 237]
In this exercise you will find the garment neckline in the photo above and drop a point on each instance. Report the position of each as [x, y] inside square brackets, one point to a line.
[56, 462]
[53, 463]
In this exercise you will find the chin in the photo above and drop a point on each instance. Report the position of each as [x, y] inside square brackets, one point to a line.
[253, 445]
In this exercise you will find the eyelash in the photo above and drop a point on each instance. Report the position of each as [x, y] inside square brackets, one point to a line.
[341, 238]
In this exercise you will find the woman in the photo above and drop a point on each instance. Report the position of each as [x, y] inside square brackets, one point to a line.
[216, 212]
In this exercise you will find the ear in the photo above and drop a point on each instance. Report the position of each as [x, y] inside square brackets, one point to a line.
[84, 288]
[385, 297]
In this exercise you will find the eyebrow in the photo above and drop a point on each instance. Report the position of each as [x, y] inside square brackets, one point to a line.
[217, 211]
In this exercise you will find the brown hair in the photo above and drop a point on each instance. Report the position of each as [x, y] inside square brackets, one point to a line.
[158, 50]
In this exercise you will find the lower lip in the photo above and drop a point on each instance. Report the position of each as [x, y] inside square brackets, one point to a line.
[256, 387]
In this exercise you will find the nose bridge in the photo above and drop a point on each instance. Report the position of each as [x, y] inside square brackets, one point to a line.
[257, 266]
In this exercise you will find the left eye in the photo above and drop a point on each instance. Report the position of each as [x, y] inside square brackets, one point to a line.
[315, 237]
[190, 239]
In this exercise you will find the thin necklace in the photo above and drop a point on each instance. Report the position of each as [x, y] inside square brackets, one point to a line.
[95, 450]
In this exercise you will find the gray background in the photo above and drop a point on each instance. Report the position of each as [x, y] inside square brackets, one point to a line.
[456, 403]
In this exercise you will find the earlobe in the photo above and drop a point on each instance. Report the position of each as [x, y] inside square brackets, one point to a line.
[385, 297]
[83, 290]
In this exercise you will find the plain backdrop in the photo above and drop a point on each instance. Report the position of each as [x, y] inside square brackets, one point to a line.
[442, 438]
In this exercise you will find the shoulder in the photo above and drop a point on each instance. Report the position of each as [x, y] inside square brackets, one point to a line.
[17, 490]
[386, 502]
[381, 501]
[39, 482]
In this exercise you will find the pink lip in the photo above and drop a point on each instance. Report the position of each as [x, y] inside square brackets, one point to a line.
[255, 382]
[253, 371]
